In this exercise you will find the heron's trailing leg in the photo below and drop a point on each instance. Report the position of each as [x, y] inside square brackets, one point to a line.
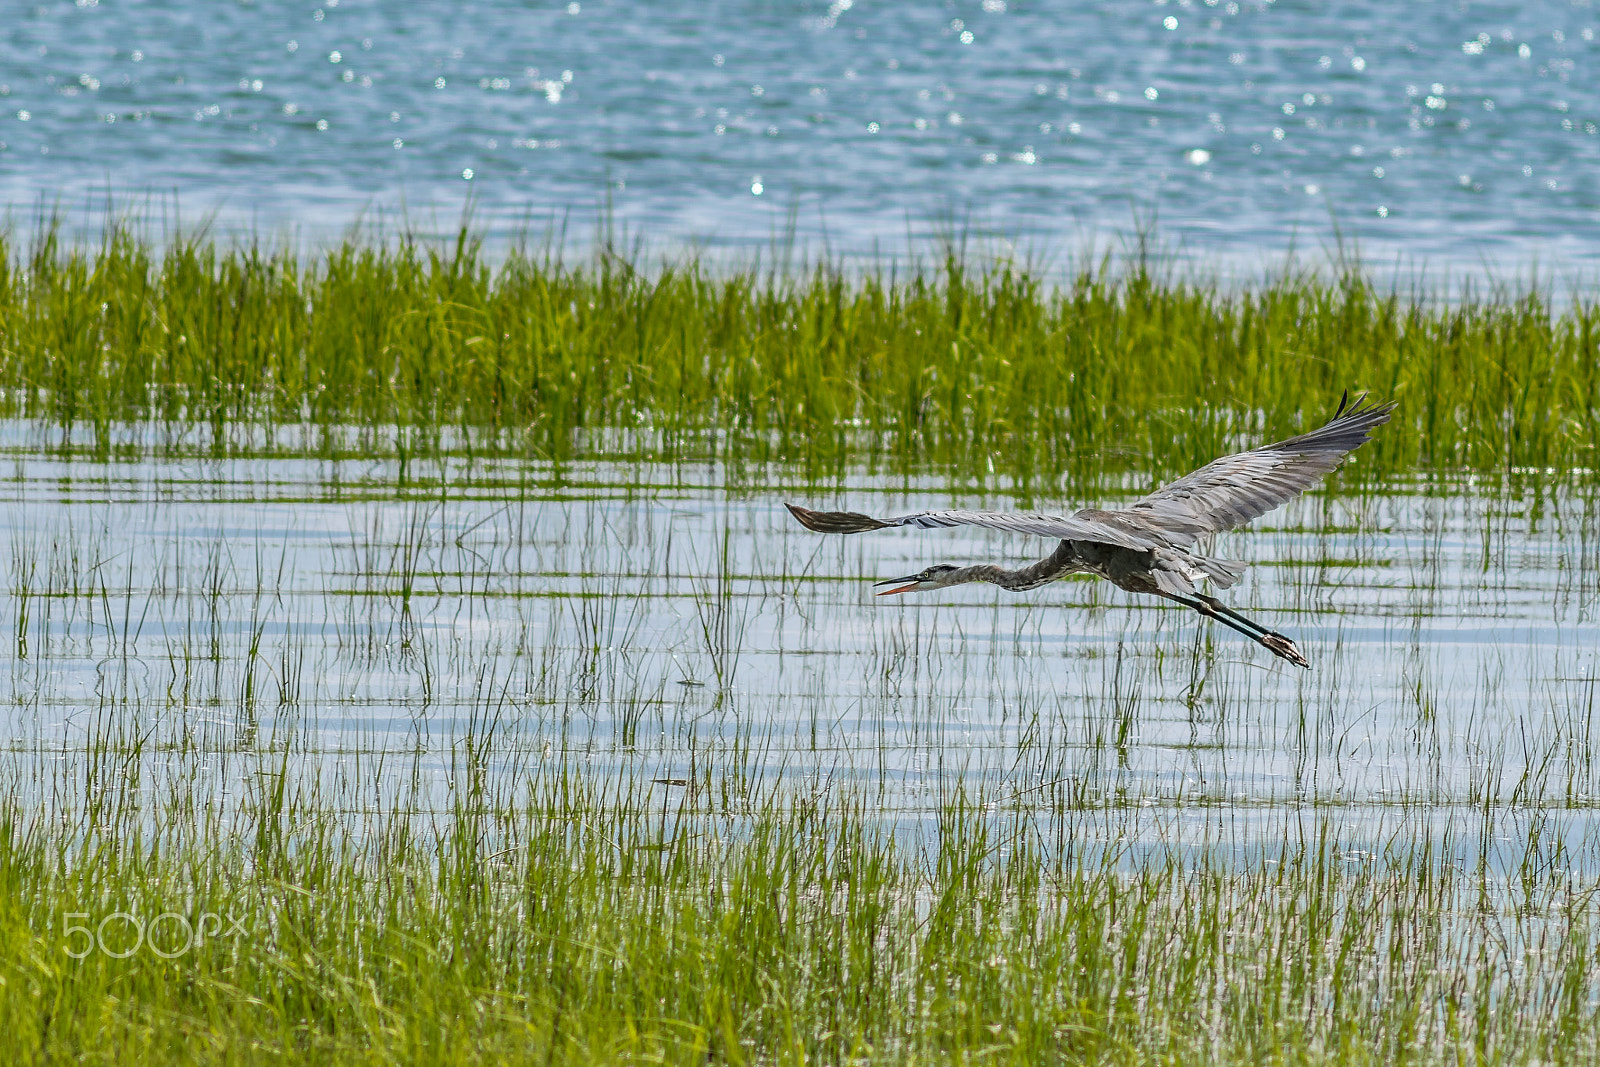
[1218, 606]
[1271, 640]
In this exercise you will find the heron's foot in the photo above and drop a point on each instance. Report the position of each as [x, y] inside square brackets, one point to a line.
[1282, 646]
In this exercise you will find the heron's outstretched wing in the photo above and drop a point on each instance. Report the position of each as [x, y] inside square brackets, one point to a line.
[1235, 489]
[1075, 528]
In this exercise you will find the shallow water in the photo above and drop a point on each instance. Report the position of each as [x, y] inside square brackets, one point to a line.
[1459, 139]
[645, 621]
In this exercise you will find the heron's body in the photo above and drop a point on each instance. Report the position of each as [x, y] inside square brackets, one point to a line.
[1148, 547]
[1148, 571]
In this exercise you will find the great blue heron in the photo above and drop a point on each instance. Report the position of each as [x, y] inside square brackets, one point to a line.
[1147, 547]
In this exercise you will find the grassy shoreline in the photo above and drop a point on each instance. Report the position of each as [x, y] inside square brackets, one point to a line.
[968, 370]
[588, 921]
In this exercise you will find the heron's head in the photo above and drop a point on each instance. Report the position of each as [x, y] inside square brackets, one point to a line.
[935, 577]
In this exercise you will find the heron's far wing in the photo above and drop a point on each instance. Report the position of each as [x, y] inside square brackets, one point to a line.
[1233, 490]
[1075, 528]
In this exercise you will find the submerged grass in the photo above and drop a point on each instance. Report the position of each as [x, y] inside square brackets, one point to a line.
[965, 370]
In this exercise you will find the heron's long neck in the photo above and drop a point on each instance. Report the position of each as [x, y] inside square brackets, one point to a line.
[1058, 564]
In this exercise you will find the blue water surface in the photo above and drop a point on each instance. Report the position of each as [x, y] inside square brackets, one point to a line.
[1460, 138]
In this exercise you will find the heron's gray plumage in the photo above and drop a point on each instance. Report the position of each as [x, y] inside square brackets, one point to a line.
[1224, 494]
[1231, 491]
[1076, 528]
[1147, 547]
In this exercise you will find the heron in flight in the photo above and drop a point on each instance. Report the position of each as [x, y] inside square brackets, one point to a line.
[1148, 547]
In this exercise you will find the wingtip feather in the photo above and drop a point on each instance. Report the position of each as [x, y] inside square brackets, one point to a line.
[1350, 427]
[840, 522]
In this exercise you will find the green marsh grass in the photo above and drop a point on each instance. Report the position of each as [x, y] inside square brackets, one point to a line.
[406, 347]
[580, 921]
[510, 883]
[464, 722]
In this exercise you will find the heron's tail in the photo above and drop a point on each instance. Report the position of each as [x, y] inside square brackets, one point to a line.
[1224, 572]
[1177, 572]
